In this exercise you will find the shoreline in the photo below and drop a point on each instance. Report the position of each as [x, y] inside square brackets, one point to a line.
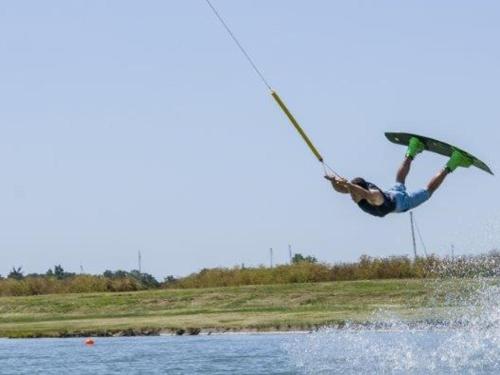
[374, 326]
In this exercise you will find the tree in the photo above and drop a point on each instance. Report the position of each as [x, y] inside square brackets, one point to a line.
[146, 279]
[108, 274]
[120, 274]
[59, 272]
[298, 258]
[169, 280]
[16, 273]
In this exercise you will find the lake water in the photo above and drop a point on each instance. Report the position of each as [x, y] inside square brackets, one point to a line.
[330, 351]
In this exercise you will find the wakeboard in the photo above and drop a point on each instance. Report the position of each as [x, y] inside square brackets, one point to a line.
[435, 146]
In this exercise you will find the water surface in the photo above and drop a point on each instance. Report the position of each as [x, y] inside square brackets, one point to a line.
[329, 351]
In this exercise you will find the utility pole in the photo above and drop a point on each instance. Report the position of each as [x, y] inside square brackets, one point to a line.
[139, 261]
[452, 252]
[290, 253]
[413, 235]
[271, 256]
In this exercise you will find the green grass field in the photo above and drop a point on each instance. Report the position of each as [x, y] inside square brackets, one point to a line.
[271, 307]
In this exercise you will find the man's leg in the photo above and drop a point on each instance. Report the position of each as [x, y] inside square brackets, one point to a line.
[437, 180]
[415, 147]
[404, 170]
[458, 159]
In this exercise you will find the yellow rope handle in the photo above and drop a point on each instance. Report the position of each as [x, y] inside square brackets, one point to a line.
[296, 125]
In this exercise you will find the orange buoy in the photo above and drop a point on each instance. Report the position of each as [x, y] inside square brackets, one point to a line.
[89, 341]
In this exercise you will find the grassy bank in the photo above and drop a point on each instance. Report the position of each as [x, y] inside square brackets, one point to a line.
[265, 307]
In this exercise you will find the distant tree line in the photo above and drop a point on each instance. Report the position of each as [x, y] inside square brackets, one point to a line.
[309, 270]
[303, 269]
[57, 280]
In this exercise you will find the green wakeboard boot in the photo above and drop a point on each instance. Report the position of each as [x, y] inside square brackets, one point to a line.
[415, 147]
[458, 159]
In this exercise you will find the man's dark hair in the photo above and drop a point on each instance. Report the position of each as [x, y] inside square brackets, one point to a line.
[360, 182]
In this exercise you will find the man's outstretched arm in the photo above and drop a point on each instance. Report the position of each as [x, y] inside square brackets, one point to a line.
[357, 192]
[340, 185]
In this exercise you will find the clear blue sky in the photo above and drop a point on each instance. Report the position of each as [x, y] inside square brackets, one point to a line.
[129, 125]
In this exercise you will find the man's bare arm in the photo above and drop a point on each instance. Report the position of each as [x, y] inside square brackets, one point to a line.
[358, 193]
[339, 185]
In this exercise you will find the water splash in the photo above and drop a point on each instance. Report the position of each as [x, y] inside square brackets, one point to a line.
[477, 341]
[466, 341]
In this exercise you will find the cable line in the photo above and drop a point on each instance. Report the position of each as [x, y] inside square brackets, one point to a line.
[249, 59]
[274, 94]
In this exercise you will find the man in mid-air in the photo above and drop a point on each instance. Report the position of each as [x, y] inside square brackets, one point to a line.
[377, 202]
